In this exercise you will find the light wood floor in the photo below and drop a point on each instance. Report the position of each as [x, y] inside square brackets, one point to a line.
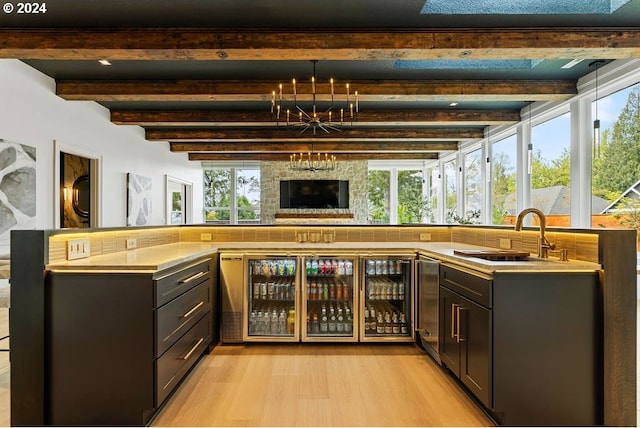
[306, 385]
[319, 385]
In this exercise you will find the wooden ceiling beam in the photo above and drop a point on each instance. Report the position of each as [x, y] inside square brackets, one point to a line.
[195, 118]
[369, 90]
[286, 156]
[305, 147]
[293, 134]
[348, 44]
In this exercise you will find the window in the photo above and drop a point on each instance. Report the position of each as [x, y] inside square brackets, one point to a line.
[450, 190]
[228, 204]
[379, 195]
[550, 172]
[396, 195]
[616, 162]
[473, 183]
[503, 180]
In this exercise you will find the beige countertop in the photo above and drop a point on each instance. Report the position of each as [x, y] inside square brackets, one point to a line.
[161, 257]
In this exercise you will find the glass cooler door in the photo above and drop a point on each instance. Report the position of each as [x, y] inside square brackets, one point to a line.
[330, 311]
[270, 299]
[387, 301]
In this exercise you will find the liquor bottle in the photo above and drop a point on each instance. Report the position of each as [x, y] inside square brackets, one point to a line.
[345, 291]
[314, 267]
[256, 290]
[394, 290]
[348, 322]
[324, 320]
[325, 291]
[340, 321]
[404, 329]
[395, 324]
[366, 319]
[388, 328]
[373, 321]
[338, 288]
[332, 291]
[380, 324]
[348, 267]
[332, 320]
[401, 290]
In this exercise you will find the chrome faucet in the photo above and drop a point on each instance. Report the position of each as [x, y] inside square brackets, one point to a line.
[543, 243]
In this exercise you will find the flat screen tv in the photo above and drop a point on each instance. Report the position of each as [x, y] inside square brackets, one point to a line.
[316, 194]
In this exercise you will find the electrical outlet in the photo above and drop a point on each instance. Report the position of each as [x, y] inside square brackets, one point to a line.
[205, 237]
[78, 248]
[425, 237]
[505, 243]
[131, 243]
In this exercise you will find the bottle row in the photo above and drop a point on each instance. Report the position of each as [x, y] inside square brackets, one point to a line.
[282, 290]
[328, 290]
[282, 267]
[384, 320]
[385, 289]
[384, 267]
[329, 267]
[272, 321]
[336, 320]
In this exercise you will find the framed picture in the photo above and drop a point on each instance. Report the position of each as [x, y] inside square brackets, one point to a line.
[138, 200]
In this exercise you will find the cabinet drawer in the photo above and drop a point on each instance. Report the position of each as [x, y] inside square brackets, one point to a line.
[172, 366]
[179, 315]
[472, 285]
[171, 285]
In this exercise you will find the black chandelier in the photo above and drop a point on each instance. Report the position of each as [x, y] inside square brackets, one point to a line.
[342, 110]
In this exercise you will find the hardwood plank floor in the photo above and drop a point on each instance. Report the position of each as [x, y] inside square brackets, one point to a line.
[319, 385]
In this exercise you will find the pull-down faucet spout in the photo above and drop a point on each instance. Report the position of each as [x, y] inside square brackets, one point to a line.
[543, 243]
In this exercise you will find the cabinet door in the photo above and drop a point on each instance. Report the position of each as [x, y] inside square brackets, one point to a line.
[475, 350]
[449, 344]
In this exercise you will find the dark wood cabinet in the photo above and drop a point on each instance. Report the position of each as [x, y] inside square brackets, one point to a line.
[527, 344]
[466, 342]
[119, 343]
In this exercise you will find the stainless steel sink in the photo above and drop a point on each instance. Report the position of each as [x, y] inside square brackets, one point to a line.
[496, 255]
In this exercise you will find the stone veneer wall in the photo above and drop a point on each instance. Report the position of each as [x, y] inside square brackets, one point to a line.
[272, 172]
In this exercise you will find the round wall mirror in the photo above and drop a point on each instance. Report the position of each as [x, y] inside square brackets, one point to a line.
[80, 200]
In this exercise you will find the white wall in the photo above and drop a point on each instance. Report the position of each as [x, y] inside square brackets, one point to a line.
[31, 114]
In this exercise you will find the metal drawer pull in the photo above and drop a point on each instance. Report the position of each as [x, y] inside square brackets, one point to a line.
[453, 320]
[195, 308]
[192, 277]
[192, 350]
[458, 310]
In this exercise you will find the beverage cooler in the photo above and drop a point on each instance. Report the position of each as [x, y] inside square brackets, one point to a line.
[271, 308]
[387, 301]
[329, 301]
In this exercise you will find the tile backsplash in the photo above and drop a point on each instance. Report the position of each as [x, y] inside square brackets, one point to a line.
[580, 246]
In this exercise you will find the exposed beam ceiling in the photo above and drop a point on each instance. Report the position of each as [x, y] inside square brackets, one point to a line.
[201, 118]
[261, 45]
[203, 88]
[289, 134]
[282, 156]
[321, 146]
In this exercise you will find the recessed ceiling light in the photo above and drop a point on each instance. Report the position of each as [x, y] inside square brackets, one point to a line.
[572, 63]
[104, 62]
[453, 104]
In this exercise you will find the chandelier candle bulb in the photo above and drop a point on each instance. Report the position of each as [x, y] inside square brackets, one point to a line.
[347, 92]
[313, 85]
[280, 92]
[356, 101]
